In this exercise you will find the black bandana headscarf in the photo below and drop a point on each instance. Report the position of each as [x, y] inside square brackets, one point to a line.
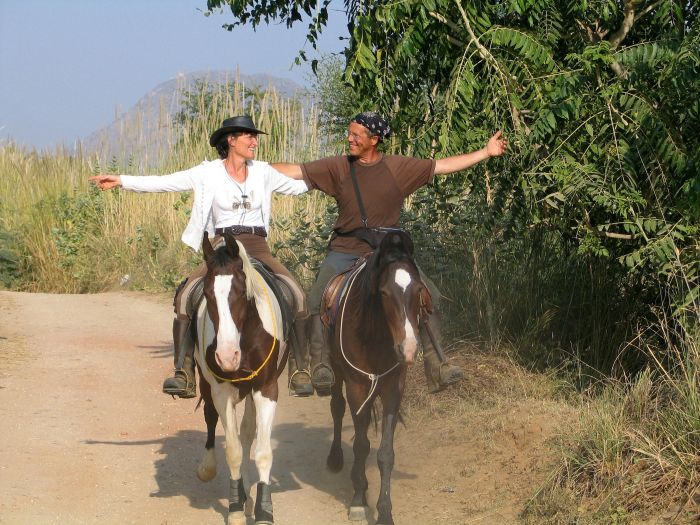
[374, 123]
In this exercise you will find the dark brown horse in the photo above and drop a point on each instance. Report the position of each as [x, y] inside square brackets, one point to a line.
[374, 337]
[239, 337]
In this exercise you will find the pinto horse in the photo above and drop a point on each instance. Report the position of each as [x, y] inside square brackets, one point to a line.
[239, 339]
[373, 339]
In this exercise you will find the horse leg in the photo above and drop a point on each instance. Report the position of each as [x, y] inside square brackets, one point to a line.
[391, 399]
[247, 437]
[334, 462]
[360, 448]
[206, 471]
[265, 415]
[237, 496]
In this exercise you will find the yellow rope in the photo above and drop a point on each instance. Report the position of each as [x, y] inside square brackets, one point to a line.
[255, 373]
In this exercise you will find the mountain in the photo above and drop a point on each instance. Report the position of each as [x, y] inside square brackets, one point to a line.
[145, 130]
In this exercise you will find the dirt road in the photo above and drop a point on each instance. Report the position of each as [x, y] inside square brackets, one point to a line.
[89, 438]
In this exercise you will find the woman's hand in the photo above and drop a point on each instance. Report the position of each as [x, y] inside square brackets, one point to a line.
[106, 182]
[496, 145]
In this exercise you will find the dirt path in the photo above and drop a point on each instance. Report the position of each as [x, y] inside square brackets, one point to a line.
[89, 438]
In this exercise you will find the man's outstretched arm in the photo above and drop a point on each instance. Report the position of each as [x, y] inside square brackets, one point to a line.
[495, 147]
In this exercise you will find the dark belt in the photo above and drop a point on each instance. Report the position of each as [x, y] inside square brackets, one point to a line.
[237, 230]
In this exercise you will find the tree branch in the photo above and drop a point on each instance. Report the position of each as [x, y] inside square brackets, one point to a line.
[627, 22]
[486, 55]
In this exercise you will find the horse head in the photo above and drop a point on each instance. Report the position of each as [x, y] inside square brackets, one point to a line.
[403, 295]
[226, 292]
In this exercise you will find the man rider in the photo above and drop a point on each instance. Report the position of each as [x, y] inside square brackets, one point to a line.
[384, 182]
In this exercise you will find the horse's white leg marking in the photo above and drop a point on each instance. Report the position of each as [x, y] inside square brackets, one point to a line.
[265, 412]
[225, 399]
[410, 342]
[228, 338]
[247, 437]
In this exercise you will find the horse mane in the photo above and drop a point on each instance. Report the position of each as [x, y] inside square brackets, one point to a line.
[254, 287]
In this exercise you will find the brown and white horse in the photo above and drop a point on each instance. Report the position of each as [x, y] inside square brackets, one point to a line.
[374, 338]
[239, 340]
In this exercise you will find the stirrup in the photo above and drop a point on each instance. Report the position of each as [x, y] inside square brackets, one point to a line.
[322, 384]
[303, 389]
[180, 385]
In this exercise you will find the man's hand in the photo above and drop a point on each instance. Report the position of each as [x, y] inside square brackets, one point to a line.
[496, 145]
[106, 182]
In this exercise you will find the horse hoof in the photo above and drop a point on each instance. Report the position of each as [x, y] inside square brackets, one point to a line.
[335, 462]
[206, 470]
[236, 518]
[206, 474]
[358, 514]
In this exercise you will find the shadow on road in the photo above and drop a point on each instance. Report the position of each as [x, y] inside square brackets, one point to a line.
[299, 461]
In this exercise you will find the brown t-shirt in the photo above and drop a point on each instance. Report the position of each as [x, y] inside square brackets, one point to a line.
[383, 185]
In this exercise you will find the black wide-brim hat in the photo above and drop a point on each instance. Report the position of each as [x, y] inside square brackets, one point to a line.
[239, 123]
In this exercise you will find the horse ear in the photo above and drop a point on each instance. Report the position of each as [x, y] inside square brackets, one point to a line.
[207, 248]
[407, 242]
[231, 244]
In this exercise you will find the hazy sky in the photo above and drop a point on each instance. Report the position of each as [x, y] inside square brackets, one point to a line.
[66, 66]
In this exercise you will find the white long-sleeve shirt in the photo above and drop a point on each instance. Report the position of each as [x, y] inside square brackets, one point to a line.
[213, 190]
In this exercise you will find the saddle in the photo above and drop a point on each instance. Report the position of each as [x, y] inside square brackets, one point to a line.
[281, 290]
[335, 291]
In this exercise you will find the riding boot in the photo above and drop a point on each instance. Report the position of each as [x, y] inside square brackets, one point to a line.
[439, 373]
[183, 383]
[322, 376]
[299, 377]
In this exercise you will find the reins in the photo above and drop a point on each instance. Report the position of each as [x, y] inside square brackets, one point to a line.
[255, 373]
[374, 378]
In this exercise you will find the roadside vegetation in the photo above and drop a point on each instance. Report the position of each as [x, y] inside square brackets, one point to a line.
[576, 257]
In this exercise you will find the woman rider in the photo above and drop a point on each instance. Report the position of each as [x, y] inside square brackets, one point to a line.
[232, 193]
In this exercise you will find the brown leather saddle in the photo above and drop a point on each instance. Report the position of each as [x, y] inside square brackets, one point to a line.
[336, 289]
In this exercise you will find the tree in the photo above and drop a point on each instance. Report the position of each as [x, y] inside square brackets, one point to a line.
[600, 98]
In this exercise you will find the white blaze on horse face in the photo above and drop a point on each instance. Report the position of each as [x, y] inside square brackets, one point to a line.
[228, 336]
[409, 345]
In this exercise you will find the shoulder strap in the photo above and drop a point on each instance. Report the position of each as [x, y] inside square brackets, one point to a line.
[358, 195]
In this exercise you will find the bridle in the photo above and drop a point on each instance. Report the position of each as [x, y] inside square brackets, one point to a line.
[254, 373]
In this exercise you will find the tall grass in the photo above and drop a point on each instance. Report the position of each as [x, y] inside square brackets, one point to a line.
[59, 234]
[636, 449]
